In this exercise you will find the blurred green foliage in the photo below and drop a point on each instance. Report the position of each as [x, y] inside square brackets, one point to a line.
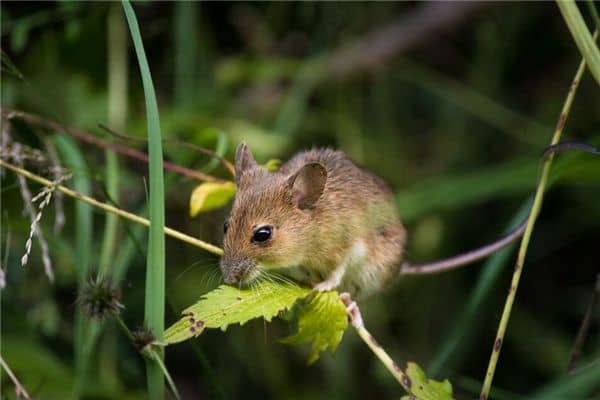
[455, 123]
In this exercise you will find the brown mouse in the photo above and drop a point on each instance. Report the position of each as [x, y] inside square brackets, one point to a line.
[324, 221]
[319, 219]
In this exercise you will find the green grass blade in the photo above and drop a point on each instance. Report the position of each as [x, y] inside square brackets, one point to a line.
[154, 314]
[586, 44]
[74, 161]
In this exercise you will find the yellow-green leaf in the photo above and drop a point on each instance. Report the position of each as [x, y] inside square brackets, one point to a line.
[210, 195]
[272, 165]
[228, 305]
[321, 321]
[423, 388]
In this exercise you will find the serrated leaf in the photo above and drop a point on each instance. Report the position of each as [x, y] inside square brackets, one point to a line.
[228, 305]
[272, 165]
[210, 195]
[322, 322]
[423, 388]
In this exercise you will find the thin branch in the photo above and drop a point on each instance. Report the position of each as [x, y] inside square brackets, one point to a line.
[96, 141]
[19, 389]
[537, 203]
[109, 208]
[585, 326]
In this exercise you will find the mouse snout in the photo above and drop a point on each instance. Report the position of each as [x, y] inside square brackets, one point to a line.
[236, 270]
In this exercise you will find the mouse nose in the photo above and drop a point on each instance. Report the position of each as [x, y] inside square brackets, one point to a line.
[231, 278]
[234, 270]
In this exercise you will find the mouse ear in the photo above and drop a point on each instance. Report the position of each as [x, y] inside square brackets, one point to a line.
[307, 184]
[243, 160]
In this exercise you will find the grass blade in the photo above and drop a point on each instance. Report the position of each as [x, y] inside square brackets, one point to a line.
[581, 35]
[154, 310]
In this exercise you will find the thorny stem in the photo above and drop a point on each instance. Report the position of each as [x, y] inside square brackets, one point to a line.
[585, 326]
[107, 207]
[96, 141]
[537, 203]
[19, 389]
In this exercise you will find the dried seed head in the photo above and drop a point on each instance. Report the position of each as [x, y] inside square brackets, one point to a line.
[100, 299]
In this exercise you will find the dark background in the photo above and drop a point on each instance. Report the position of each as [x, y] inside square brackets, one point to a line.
[454, 115]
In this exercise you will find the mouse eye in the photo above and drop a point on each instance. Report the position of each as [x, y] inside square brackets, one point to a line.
[262, 234]
[225, 226]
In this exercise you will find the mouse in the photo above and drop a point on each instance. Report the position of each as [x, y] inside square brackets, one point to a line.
[323, 221]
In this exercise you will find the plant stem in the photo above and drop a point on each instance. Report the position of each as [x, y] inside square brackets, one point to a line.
[109, 208]
[537, 203]
[384, 357]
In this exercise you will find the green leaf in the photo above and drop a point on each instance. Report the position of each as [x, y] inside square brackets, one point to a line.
[210, 195]
[426, 389]
[321, 321]
[228, 305]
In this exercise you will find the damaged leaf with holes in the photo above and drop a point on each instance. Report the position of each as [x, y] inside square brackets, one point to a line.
[422, 388]
[228, 305]
[322, 322]
[210, 196]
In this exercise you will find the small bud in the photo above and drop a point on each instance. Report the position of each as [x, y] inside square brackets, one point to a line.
[142, 338]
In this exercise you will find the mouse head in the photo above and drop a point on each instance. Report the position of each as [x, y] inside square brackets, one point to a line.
[271, 218]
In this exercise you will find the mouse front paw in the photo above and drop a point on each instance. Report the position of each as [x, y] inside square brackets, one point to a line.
[325, 286]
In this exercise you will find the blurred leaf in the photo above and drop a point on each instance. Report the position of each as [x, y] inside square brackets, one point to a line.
[321, 321]
[460, 190]
[220, 149]
[34, 363]
[272, 165]
[210, 195]
[19, 35]
[228, 305]
[423, 388]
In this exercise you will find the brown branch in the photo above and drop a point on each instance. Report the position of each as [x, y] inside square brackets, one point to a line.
[19, 389]
[405, 33]
[96, 141]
